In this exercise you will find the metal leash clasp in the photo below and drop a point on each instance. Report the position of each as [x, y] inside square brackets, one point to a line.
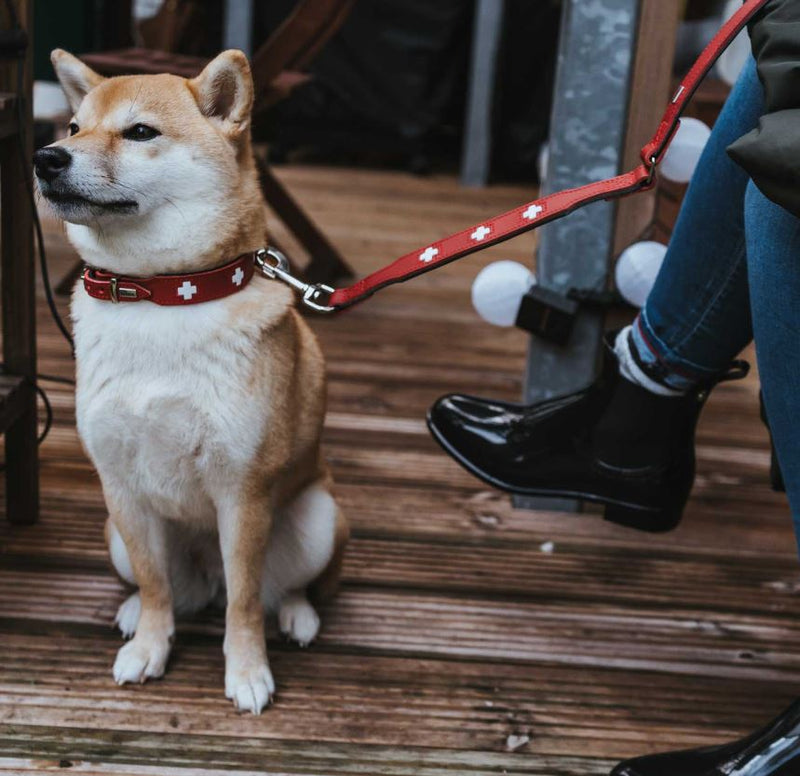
[274, 265]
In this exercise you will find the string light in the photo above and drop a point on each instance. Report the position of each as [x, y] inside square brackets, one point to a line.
[636, 270]
[684, 154]
[498, 290]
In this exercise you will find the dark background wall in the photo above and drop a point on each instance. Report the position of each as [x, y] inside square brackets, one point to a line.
[390, 88]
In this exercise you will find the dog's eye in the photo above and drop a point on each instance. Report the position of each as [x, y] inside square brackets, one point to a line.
[140, 132]
[73, 129]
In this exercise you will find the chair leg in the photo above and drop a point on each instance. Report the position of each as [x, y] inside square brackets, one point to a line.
[67, 283]
[327, 264]
[22, 465]
[18, 294]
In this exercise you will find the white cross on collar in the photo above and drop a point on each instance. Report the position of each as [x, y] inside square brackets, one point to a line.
[533, 212]
[481, 233]
[238, 277]
[187, 290]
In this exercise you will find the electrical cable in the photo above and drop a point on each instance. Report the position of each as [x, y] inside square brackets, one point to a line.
[44, 270]
[48, 290]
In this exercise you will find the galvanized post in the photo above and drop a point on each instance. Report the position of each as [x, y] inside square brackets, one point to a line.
[589, 120]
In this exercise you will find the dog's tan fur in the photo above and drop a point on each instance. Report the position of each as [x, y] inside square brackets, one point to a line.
[208, 119]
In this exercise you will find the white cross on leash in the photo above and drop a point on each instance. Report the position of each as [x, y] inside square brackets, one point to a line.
[532, 212]
[187, 290]
[480, 233]
[428, 255]
[238, 276]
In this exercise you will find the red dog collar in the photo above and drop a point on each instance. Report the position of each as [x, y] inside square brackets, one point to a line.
[191, 288]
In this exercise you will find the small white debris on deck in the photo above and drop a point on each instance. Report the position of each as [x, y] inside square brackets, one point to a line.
[515, 743]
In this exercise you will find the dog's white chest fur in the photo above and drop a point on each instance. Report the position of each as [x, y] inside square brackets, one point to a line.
[162, 403]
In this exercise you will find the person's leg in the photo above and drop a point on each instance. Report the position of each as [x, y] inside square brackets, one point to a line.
[620, 442]
[773, 258]
[627, 441]
[697, 317]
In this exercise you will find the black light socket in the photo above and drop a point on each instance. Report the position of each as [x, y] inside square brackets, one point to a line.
[548, 314]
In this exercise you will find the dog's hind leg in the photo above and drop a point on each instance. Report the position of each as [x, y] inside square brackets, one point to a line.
[194, 585]
[118, 553]
[307, 540]
[297, 618]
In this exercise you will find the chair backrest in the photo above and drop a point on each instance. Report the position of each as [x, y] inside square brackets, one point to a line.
[275, 65]
[299, 38]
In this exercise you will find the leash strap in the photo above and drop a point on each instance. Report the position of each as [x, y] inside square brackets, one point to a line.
[533, 214]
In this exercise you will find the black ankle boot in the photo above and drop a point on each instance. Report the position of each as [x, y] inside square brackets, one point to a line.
[773, 751]
[614, 443]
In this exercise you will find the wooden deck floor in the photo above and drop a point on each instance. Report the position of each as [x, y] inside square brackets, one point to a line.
[454, 629]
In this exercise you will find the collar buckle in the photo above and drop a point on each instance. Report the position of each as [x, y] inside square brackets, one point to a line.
[116, 293]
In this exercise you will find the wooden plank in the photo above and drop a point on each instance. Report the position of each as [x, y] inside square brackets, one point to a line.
[693, 642]
[175, 755]
[650, 92]
[649, 578]
[60, 678]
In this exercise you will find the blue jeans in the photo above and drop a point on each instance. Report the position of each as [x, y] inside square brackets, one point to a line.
[732, 273]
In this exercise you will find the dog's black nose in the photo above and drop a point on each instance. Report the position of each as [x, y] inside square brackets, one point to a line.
[50, 162]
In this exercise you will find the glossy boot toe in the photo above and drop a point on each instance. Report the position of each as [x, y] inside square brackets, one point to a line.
[772, 751]
[613, 442]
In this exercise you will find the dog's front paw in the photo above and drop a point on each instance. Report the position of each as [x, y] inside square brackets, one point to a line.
[249, 687]
[141, 659]
[127, 619]
[298, 620]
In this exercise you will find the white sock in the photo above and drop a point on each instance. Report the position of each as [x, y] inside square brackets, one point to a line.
[630, 370]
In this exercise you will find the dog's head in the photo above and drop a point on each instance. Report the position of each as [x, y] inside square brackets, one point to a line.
[141, 144]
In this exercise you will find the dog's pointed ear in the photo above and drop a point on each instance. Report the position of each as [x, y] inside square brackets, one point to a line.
[224, 91]
[76, 79]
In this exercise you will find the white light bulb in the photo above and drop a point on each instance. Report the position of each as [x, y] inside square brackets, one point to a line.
[49, 101]
[683, 155]
[543, 161]
[637, 269]
[734, 58]
[498, 290]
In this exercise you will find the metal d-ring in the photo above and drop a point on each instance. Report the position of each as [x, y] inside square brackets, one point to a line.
[274, 265]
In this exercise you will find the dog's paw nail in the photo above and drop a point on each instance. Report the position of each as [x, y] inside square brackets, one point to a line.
[250, 689]
[138, 661]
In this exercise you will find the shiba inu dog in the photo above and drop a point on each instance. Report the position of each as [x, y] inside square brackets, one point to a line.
[203, 420]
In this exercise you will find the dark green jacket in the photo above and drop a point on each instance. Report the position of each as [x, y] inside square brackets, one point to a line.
[771, 153]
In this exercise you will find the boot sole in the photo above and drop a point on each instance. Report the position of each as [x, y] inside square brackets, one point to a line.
[619, 512]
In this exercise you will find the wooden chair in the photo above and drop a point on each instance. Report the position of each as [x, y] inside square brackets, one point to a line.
[18, 419]
[278, 69]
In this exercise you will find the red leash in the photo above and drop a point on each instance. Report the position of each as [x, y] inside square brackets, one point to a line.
[530, 216]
